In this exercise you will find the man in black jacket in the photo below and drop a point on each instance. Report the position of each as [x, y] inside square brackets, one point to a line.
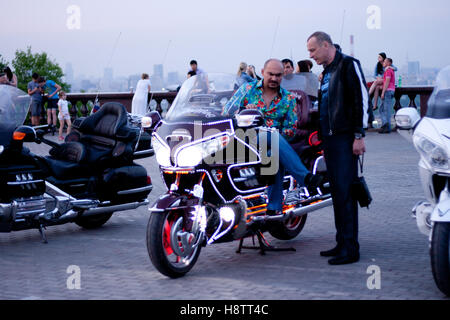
[343, 102]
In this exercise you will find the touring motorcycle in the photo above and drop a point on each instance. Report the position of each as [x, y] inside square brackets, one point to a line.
[83, 180]
[431, 138]
[216, 168]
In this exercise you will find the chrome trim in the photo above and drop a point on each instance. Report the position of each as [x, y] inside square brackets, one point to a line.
[130, 191]
[18, 183]
[111, 209]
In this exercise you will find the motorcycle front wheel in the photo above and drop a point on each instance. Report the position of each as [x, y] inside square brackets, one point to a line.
[168, 256]
[440, 256]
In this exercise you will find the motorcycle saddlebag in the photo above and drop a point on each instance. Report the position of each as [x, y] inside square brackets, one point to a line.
[125, 184]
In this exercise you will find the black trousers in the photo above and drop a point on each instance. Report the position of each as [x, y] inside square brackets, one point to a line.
[342, 167]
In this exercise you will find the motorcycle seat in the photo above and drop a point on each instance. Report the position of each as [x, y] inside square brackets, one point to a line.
[100, 138]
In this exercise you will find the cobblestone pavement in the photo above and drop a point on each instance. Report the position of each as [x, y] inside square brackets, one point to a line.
[114, 263]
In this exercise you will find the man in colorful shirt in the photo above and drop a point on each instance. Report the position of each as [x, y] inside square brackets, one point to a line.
[278, 107]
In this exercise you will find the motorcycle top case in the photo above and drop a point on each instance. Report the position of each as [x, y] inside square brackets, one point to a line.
[122, 179]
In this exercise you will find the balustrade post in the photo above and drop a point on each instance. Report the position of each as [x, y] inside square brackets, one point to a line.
[73, 111]
[412, 100]
[397, 96]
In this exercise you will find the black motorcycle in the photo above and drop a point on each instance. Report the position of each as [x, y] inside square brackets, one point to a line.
[217, 169]
[83, 180]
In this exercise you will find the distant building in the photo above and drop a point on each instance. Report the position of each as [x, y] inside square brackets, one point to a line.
[132, 81]
[158, 71]
[68, 73]
[414, 68]
[173, 78]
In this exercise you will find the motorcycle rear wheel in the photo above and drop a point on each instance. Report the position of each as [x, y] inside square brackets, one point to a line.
[160, 249]
[93, 222]
[289, 229]
[440, 256]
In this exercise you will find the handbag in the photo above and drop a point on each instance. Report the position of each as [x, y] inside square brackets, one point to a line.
[360, 190]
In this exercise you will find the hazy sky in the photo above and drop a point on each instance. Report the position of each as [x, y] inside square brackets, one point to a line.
[220, 34]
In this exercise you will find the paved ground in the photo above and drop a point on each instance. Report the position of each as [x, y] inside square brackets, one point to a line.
[114, 264]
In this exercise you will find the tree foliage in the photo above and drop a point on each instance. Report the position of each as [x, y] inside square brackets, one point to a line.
[26, 63]
[3, 63]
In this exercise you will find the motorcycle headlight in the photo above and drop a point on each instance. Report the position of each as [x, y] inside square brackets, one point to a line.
[162, 152]
[192, 155]
[2, 148]
[432, 152]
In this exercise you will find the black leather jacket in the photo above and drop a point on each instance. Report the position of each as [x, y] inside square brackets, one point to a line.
[348, 97]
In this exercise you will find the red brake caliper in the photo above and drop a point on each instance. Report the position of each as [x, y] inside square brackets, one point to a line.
[166, 237]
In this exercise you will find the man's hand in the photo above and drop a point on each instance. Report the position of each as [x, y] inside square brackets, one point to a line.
[359, 147]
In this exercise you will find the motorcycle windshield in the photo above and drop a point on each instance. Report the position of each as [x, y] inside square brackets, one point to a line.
[14, 105]
[202, 97]
[307, 82]
[439, 102]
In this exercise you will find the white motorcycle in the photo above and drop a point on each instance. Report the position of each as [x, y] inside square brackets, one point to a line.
[431, 137]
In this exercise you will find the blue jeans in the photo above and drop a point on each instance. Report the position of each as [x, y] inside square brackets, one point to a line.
[342, 169]
[290, 161]
[386, 108]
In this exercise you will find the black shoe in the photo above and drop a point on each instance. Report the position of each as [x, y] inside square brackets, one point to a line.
[343, 259]
[331, 253]
[273, 212]
[313, 181]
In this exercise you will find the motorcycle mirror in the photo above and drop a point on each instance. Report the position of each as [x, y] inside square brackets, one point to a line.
[24, 134]
[155, 119]
[407, 118]
[249, 118]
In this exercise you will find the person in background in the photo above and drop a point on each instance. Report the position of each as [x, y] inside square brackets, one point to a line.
[242, 76]
[304, 66]
[140, 99]
[387, 96]
[195, 68]
[63, 115]
[288, 66]
[35, 91]
[52, 89]
[8, 77]
[251, 71]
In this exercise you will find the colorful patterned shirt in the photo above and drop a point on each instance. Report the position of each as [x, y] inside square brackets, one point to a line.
[281, 114]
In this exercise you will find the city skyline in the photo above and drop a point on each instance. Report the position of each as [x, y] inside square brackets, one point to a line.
[132, 39]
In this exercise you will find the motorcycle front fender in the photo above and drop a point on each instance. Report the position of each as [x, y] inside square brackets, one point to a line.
[185, 205]
[441, 212]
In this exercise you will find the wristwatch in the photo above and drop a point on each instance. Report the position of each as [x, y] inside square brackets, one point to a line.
[358, 136]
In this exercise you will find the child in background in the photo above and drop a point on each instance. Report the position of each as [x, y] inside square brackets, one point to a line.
[63, 107]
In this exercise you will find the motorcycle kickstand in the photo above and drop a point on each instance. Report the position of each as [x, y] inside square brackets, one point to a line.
[263, 245]
[42, 232]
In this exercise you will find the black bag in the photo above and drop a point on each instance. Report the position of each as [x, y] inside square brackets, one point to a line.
[360, 190]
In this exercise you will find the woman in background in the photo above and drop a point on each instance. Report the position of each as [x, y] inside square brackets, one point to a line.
[140, 98]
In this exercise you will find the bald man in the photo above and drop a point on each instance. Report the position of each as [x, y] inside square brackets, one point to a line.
[279, 109]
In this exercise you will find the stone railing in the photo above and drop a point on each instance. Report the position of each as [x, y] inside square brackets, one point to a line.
[82, 103]
[412, 92]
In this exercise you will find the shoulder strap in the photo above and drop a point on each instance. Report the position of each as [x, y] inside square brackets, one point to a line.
[361, 162]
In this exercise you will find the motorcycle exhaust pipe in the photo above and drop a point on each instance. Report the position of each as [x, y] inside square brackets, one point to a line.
[294, 213]
[310, 208]
[110, 209]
